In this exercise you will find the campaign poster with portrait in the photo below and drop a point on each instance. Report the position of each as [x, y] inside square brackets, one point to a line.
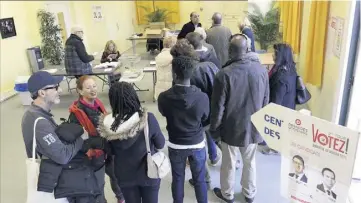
[318, 156]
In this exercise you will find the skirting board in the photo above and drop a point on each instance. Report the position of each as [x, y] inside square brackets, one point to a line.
[7, 95]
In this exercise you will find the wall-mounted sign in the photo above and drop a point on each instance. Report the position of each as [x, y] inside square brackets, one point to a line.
[337, 45]
[97, 13]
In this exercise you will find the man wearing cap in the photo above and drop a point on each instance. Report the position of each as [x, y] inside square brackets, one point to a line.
[77, 60]
[44, 90]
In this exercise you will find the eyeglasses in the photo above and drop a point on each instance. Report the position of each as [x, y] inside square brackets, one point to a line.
[53, 87]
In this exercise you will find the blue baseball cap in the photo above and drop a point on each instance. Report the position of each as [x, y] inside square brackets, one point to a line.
[41, 79]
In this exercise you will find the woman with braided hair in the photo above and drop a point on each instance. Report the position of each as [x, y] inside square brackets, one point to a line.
[124, 129]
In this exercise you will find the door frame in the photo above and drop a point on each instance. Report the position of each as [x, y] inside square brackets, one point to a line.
[351, 68]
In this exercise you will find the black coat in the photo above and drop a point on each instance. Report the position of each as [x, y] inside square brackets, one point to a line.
[203, 78]
[129, 149]
[187, 28]
[240, 89]
[77, 60]
[210, 56]
[249, 33]
[283, 85]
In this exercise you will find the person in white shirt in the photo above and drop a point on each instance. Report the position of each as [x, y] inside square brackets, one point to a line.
[164, 66]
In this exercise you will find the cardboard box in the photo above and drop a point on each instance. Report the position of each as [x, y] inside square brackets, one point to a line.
[155, 32]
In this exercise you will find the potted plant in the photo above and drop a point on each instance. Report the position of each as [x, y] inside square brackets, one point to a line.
[157, 15]
[265, 27]
[52, 47]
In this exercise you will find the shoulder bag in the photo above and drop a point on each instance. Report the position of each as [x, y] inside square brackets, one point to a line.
[32, 167]
[302, 94]
[158, 163]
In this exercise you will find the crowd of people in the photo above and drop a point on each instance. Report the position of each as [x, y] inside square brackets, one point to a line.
[210, 83]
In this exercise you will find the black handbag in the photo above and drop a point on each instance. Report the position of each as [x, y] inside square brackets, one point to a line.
[302, 94]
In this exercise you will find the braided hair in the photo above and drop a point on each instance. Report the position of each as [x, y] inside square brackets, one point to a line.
[124, 102]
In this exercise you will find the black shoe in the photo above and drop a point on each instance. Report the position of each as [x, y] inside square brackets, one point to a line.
[249, 200]
[191, 182]
[218, 193]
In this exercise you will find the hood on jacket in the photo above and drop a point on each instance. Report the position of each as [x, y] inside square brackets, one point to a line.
[182, 96]
[251, 56]
[204, 54]
[126, 132]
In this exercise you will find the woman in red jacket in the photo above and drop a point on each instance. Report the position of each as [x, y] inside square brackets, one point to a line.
[86, 112]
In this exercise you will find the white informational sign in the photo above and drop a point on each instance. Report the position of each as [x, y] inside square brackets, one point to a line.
[317, 156]
[337, 46]
[97, 13]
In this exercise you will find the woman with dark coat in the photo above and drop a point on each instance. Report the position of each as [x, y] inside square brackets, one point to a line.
[86, 112]
[283, 81]
[111, 54]
[124, 129]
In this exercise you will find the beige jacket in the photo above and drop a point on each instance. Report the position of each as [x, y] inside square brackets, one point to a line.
[164, 72]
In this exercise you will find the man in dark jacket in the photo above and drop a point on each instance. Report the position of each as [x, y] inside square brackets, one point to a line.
[204, 54]
[241, 88]
[185, 108]
[190, 26]
[218, 36]
[77, 60]
[202, 77]
[38, 124]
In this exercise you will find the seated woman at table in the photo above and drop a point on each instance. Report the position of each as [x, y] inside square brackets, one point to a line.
[164, 67]
[111, 54]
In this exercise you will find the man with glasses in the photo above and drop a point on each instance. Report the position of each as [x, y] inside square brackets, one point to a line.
[190, 26]
[44, 90]
[240, 89]
[77, 60]
[299, 166]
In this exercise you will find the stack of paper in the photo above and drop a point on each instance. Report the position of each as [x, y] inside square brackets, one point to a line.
[107, 65]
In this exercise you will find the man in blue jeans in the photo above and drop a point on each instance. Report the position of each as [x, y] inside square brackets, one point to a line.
[202, 77]
[185, 108]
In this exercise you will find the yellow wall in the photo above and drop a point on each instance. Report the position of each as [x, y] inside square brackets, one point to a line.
[13, 56]
[118, 24]
[325, 99]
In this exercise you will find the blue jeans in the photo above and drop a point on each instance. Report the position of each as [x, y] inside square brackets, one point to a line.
[139, 194]
[212, 147]
[197, 162]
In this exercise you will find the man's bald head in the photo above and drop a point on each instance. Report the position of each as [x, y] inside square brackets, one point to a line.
[237, 46]
[217, 18]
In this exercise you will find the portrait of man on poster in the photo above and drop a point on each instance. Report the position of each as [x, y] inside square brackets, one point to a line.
[299, 166]
[328, 182]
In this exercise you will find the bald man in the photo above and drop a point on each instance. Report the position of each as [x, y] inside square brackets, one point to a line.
[218, 36]
[240, 89]
[190, 26]
[77, 60]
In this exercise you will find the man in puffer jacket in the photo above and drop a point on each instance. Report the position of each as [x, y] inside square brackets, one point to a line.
[204, 54]
[77, 60]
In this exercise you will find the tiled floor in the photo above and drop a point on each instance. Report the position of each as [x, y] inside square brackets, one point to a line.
[13, 173]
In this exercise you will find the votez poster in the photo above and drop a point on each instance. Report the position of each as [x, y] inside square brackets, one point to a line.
[317, 156]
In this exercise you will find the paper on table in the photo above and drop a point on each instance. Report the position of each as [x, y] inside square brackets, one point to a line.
[150, 69]
[53, 70]
[107, 69]
[153, 63]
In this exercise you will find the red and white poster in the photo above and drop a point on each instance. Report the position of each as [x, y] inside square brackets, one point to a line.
[318, 156]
